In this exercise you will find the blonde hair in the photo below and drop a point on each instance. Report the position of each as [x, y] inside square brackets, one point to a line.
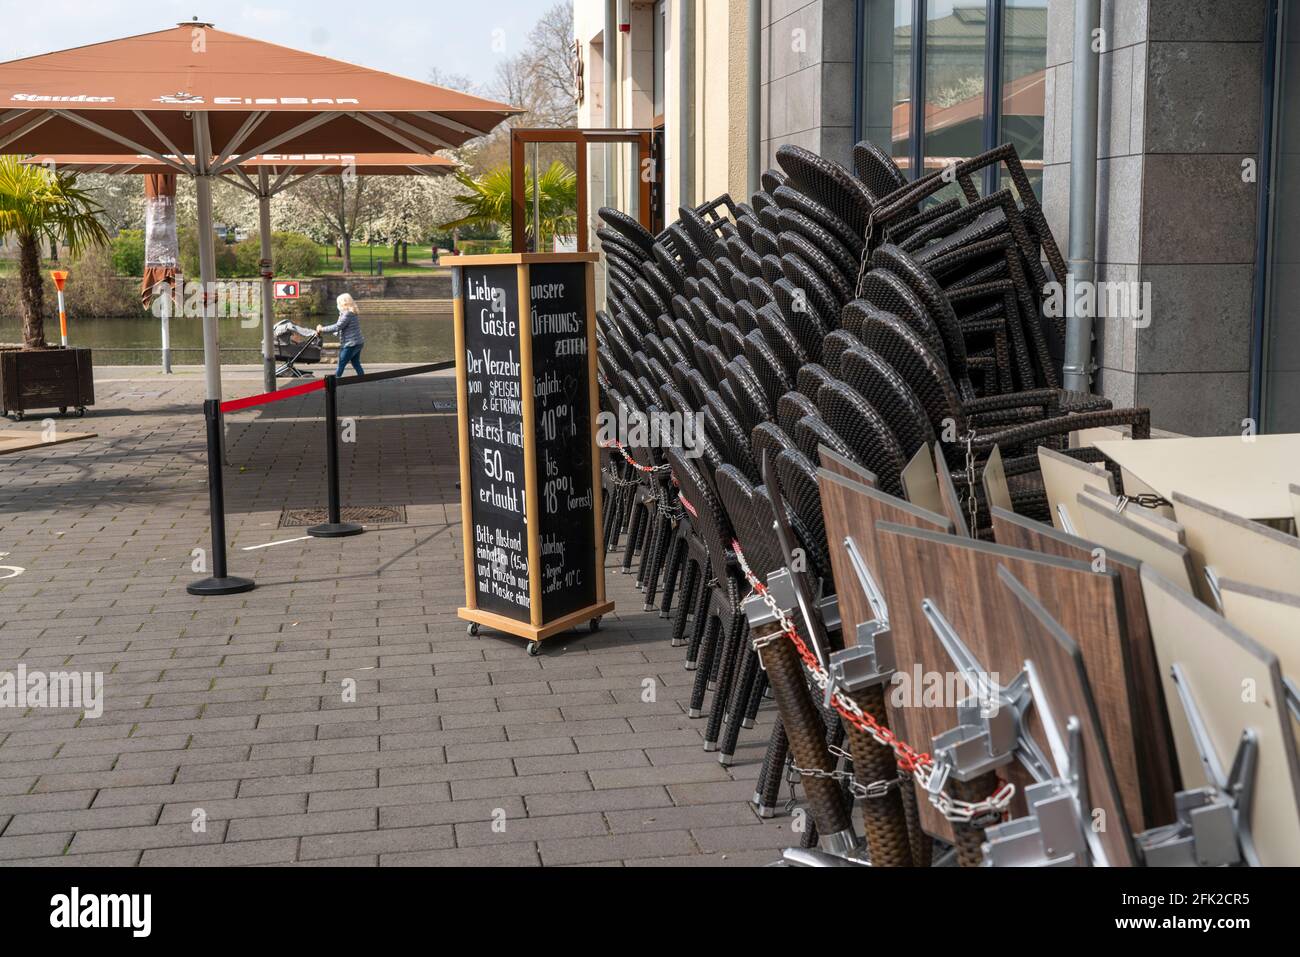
[346, 303]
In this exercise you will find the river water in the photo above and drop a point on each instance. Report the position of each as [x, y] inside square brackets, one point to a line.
[389, 338]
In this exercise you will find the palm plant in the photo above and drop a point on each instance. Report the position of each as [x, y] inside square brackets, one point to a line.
[487, 204]
[38, 205]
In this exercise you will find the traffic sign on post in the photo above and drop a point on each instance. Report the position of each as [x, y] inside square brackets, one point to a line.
[286, 289]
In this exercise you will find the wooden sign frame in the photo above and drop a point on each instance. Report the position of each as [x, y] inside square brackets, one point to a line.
[536, 629]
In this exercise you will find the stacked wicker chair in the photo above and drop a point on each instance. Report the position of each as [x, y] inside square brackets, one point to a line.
[847, 310]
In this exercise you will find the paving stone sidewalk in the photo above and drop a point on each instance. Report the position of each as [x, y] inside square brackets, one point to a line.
[230, 711]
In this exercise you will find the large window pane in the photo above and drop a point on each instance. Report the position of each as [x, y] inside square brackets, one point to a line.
[887, 77]
[1024, 65]
[955, 33]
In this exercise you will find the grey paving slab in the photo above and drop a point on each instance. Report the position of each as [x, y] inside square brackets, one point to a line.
[455, 751]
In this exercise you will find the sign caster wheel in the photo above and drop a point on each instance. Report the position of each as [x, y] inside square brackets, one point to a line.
[63, 410]
[594, 625]
[81, 411]
[472, 629]
[534, 649]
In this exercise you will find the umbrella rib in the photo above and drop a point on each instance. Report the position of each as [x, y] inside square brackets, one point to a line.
[380, 128]
[280, 179]
[143, 117]
[448, 122]
[318, 120]
[117, 137]
[247, 184]
[253, 122]
[12, 115]
[413, 130]
[26, 128]
[307, 175]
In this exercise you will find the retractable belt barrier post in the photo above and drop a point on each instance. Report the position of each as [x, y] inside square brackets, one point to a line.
[334, 526]
[220, 583]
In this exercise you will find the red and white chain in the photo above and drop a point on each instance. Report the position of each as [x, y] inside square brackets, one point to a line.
[621, 449]
[919, 764]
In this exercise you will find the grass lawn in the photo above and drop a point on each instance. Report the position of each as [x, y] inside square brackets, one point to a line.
[362, 261]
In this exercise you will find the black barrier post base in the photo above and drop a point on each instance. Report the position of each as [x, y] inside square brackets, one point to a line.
[220, 583]
[335, 527]
[229, 585]
[335, 530]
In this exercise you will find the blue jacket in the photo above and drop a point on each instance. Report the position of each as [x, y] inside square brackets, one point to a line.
[349, 330]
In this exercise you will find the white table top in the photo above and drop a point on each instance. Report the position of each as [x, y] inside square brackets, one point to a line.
[1248, 476]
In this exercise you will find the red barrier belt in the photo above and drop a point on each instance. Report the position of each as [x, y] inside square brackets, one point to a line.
[234, 405]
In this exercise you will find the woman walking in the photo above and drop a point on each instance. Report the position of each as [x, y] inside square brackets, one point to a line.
[348, 329]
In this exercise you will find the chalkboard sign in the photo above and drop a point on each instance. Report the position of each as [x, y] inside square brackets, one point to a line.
[563, 435]
[494, 405]
[530, 489]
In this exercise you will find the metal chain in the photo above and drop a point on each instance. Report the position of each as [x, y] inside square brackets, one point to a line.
[621, 449]
[873, 791]
[866, 252]
[1144, 500]
[920, 765]
[972, 503]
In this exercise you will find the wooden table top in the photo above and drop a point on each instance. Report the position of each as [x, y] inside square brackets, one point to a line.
[23, 440]
[1248, 476]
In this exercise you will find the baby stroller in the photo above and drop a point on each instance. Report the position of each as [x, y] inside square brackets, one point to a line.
[295, 343]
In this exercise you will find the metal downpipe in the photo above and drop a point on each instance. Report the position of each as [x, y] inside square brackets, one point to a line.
[1077, 373]
[686, 104]
[754, 43]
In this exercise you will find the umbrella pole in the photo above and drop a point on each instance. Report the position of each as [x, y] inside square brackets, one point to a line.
[268, 273]
[207, 257]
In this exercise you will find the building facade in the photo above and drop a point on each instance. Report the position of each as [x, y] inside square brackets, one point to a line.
[1196, 144]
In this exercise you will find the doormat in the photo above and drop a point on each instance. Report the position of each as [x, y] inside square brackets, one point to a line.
[356, 514]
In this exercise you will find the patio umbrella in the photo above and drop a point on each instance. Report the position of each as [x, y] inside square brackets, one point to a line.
[275, 173]
[202, 102]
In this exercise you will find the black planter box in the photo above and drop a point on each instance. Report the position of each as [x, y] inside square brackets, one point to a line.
[46, 379]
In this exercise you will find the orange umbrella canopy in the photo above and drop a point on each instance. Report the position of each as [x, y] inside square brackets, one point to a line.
[143, 93]
[277, 164]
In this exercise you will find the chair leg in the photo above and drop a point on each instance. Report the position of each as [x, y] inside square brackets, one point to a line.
[770, 776]
[650, 530]
[614, 523]
[633, 535]
[672, 571]
[727, 661]
[834, 738]
[690, 582]
[746, 678]
[658, 560]
[701, 623]
[708, 647]
[755, 700]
